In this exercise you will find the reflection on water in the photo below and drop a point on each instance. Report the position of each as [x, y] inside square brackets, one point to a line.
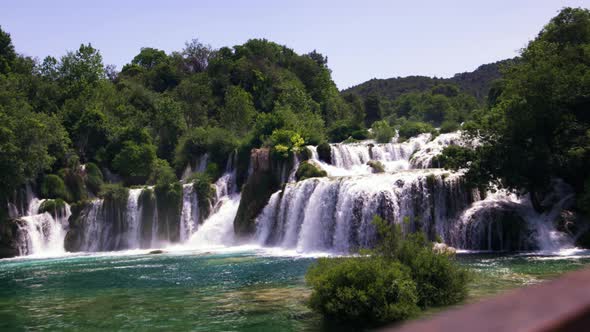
[228, 291]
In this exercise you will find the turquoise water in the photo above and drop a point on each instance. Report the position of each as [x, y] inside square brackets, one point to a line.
[238, 291]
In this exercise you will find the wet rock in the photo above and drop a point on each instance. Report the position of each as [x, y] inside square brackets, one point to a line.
[9, 238]
[156, 252]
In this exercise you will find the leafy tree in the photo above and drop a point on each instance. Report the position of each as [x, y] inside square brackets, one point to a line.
[372, 109]
[537, 126]
[134, 161]
[382, 131]
[7, 53]
[149, 58]
[81, 70]
[238, 110]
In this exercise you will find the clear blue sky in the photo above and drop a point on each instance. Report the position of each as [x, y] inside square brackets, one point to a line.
[363, 39]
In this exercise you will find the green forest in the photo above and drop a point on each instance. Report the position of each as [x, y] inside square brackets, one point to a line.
[161, 111]
[147, 122]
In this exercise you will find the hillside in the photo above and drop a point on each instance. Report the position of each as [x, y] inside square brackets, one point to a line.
[476, 83]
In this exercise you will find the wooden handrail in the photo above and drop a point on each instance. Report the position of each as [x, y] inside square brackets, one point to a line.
[558, 305]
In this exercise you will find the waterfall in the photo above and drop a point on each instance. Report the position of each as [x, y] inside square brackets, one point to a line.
[351, 158]
[133, 212]
[422, 158]
[218, 229]
[43, 234]
[335, 214]
[190, 212]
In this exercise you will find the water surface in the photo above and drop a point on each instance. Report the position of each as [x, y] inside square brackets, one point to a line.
[225, 291]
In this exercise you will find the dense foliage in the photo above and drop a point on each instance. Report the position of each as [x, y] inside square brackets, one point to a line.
[537, 124]
[71, 124]
[392, 282]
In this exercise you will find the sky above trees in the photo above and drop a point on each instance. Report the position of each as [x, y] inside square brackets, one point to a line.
[362, 39]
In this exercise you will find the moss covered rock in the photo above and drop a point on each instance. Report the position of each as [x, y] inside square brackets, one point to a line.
[74, 237]
[376, 166]
[52, 206]
[325, 153]
[308, 170]
[54, 187]
[264, 180]
[9, 238]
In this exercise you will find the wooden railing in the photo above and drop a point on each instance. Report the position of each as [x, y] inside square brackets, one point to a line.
[558, 305]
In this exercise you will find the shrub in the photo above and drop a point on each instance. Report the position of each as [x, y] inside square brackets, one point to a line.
[360, 134]
[52, 206]
[134, 161]
[382, 131]
[362, 290]
[390, 283]
[54, 187]
[202, 185]
[162, 175]
[341, 130]
[219, 143]
[449, 126]
[94, 178]
[412, 128]
[284, 141]
[308, 170]
[115, 192]
[325, 153]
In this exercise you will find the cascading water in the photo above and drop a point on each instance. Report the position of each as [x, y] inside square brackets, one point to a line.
[320, 214]
[42, 233]
[335, 214]
[351, 158]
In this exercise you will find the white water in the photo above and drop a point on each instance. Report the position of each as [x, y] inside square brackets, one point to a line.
[189, 218]
[43, 233]
[218, 229]
[134, 212]
[335, 214]
[351, 158]
[332, 214]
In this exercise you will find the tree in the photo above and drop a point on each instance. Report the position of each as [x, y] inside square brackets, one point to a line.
[196, 56]
[537, 126]
[238, 110]
[149, 58]
[7, 53]
[81, 70]
[372, 109]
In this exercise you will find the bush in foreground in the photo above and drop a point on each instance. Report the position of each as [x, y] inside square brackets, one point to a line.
[389, 283]
[368, 290]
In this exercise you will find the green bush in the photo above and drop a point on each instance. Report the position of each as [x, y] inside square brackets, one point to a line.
[162, 175]
[389, 283]
[52, 206]
[325, 152]
[360, 134]
[449, 126]
[362, 290]
[412, 128]
[54, 187]
[382, 131]
[342, 130]
[283, 142]
[94, 178]
[115, 192]
[203, 187]
[219, 143]
[308, 170]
